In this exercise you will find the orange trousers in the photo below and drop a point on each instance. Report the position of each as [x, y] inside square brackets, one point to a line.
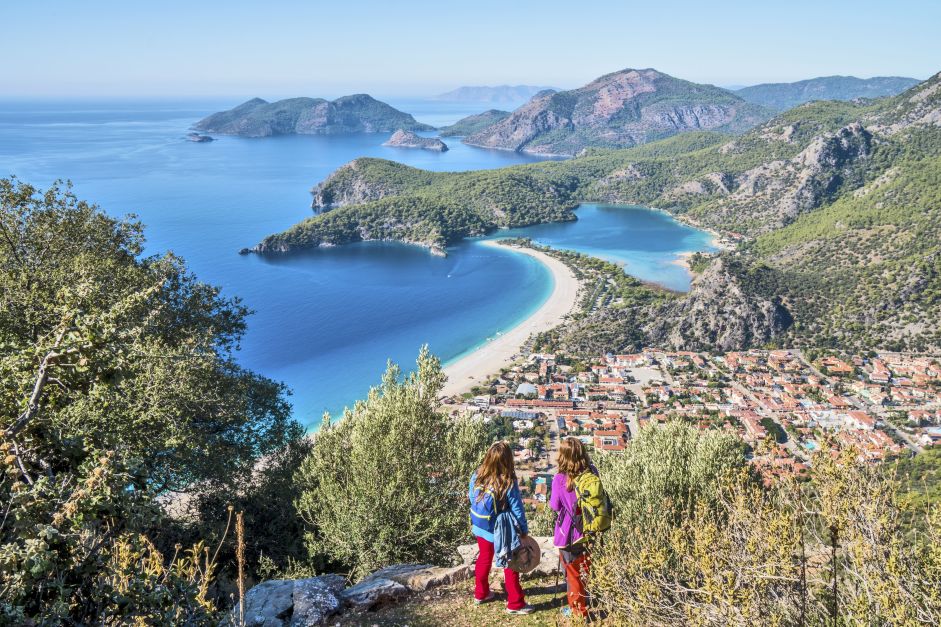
[576, 574]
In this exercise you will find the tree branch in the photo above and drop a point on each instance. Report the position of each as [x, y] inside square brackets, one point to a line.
[42, 377]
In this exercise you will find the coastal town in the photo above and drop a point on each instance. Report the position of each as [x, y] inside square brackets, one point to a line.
[785, 405]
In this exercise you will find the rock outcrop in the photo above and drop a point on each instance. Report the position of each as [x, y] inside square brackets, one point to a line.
[774, 193]
[364, 180]
[292, 602]
[312, 601]
[728, 308]
[622, 109]
[374, 592]
[199, 139]
[408, 139]
[359, 113]
[919, 106]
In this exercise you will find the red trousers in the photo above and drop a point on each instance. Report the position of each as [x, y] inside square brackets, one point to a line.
[515, 599]
[576, 574]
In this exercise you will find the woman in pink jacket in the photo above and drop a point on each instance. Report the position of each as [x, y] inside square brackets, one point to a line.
[573, 462]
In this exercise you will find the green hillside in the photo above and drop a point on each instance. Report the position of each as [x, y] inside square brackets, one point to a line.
[473, 123]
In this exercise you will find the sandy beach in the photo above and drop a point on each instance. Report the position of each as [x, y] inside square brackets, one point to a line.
[501, 351]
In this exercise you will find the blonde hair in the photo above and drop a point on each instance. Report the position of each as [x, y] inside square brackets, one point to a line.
[496, 472]
[573, 460]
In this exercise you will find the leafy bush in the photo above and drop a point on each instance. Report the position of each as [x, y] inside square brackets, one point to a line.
[388, 483]
[667, 471]
[707, 544]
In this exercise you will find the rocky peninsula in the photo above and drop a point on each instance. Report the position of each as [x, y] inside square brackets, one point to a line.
[408, 139]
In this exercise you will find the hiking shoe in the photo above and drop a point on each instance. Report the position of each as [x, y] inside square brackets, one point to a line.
[526, 609]
[487, 599]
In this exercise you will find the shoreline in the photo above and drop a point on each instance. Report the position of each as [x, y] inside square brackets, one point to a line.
[503, 350]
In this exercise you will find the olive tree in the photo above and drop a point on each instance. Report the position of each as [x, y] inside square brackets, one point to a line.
[106, 354]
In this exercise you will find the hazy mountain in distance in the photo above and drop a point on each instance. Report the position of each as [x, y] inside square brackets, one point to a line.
[499, 94]
[783, 96]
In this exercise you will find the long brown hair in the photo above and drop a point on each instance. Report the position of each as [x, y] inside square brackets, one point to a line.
[496, 472]
[573, 460]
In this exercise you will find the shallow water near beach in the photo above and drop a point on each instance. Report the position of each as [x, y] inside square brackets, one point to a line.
[326, 321]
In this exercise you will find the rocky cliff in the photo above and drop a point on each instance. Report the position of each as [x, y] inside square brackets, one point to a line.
[359, 113]
[729, 307]
[408, 139]
[774, 193]
[622, 109]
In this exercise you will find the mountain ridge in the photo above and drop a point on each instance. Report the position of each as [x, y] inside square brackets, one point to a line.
[491, 94]
[783, 96]
[618, 110]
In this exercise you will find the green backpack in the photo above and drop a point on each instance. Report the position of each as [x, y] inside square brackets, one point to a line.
[594, 503]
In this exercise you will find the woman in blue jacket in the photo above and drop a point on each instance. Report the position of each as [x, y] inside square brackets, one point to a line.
[493, 489]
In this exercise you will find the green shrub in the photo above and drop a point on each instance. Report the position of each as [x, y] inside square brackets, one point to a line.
[704, 543]
[388, 482]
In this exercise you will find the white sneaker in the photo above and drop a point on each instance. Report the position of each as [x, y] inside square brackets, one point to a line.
[490, 597]
[526, 609]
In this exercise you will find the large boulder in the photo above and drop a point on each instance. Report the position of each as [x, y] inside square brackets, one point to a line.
[422, 577]
[291, 602]
[373, 592]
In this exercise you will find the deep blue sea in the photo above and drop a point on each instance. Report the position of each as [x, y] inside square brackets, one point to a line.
[325, 322]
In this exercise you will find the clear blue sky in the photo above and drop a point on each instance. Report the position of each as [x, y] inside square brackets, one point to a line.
[412, 47]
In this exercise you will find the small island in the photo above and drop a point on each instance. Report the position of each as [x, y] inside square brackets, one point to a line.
[199, 139]
[359, 113]
[408, 139]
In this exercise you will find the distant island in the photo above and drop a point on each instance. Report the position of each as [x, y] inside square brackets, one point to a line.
[359, 113]
[618, 110]
[498, 94]
[408, 139]
[474, 123]
[782, 96]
